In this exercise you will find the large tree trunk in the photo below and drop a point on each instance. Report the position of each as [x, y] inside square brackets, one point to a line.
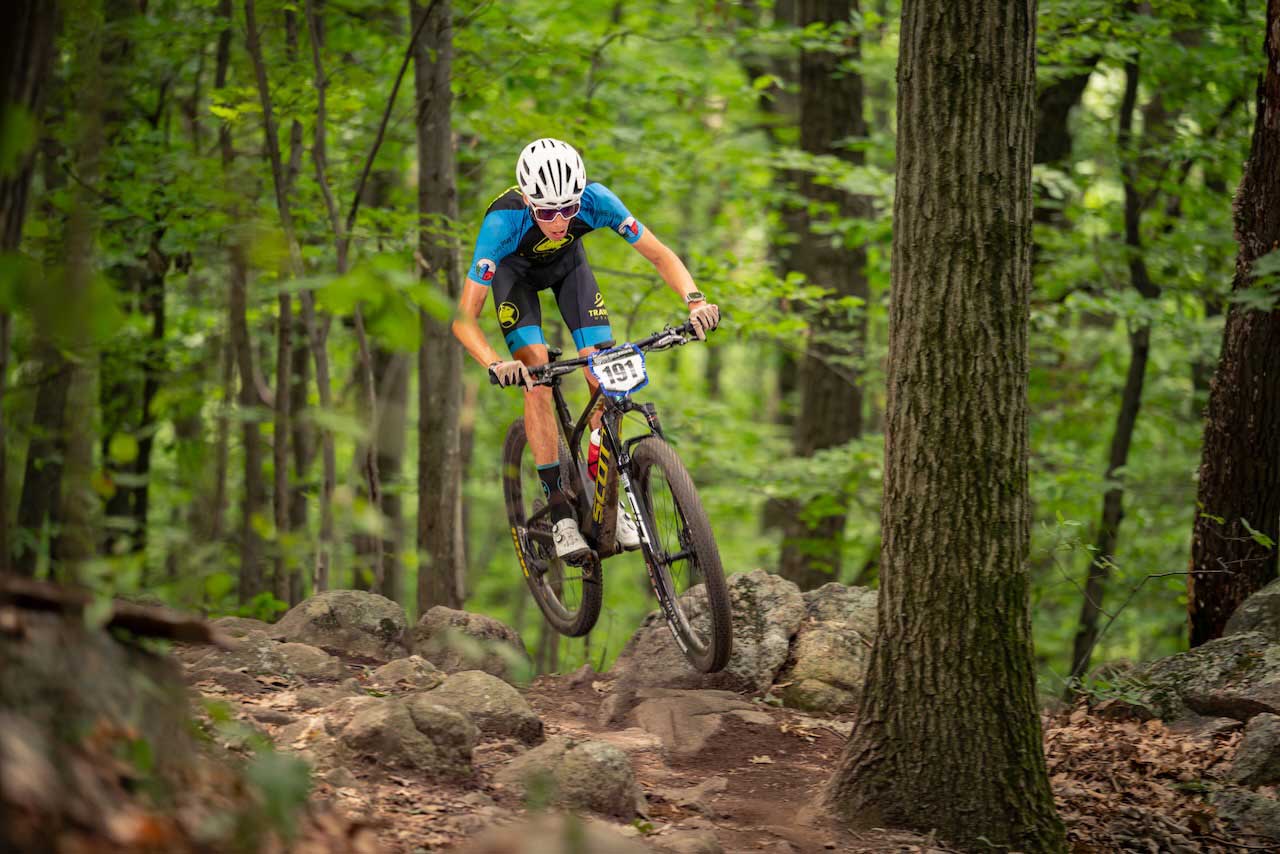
[831, 403]
[948, 734]
[26, 52]
[1240, 462]
[442, 559]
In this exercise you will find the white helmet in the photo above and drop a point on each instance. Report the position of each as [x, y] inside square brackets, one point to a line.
[550, 173]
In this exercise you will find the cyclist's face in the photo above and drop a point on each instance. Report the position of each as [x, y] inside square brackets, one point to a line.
[554, 230]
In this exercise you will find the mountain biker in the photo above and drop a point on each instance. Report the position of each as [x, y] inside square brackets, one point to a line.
[530, 240]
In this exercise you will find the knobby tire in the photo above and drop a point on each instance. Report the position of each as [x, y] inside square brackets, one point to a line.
[709, 654]
[569, 621]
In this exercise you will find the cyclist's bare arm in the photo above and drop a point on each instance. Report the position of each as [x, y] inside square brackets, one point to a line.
[466, 327]
[668, 263]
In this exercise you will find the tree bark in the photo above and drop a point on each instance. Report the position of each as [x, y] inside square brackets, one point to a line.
[831, 103]
[241, 350]
[1103, 557]
[948, 734]
[442, 560]
[1240, 460]
[26, 54]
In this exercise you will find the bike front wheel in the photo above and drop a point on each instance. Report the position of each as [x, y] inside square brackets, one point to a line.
[682, 555]
[568, 596]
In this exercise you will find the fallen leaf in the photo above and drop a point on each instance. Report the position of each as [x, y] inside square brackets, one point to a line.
[761, 760]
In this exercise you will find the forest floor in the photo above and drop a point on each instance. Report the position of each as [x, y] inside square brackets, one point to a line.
[1120, 785]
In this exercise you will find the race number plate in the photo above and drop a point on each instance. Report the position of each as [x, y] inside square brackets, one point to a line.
[619, 371]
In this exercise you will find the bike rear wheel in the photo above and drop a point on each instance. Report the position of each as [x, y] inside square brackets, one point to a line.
[568, 596]
[682, 554]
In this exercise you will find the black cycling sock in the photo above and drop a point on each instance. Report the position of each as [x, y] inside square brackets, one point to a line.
[551, 488]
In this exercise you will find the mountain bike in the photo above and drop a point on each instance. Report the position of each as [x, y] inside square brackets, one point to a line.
[675, 535]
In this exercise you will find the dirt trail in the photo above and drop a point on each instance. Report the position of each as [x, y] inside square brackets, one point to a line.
[772, 774]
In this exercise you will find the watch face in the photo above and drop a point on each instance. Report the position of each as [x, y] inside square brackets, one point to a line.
[693, 296]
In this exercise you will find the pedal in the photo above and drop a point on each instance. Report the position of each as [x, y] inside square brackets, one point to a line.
[582, 558]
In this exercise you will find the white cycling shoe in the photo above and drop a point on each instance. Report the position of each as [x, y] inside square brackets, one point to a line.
[568, 539]
[627, 532]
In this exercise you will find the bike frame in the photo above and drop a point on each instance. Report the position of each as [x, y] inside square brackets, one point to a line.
[600, 503]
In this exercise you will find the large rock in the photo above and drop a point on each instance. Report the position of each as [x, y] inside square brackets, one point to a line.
[553, 834]
[1248, 811]
[1259, 613]
[1233, 677]
[258, 655]
[459, 640]
[349, 623]
[412, 734]
[832, 650]
[1257, 760]
[414, 673]
[767, 611]
[238, 627]
[494, 706]
[687, 721]
[589, 775]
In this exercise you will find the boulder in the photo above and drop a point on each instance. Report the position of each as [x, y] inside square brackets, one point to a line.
[553, 834]
[493, 705]
[1234, 677]
[427, 738]
[589, 775]
[459, 640]
[316, 697]
[1259, 613]
[831, 651]
[689, 721]
[414, 673]
[1248, 811]
[691, 842]
[351, 623]
[258, 655]
[767, 612]
[1257, 760]
[238, 627]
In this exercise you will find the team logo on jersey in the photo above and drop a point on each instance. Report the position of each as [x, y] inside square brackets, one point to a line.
[629, 228]
[549, 245]
[508, 314]
[485, 269]
[599, 300]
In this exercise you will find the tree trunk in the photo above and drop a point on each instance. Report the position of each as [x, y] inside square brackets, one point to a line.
[26, 52]
[948, 735]
[442, 560]
[1240, 461]
[251, 576]
[45, 454]
[831, 400]
[1103, 556]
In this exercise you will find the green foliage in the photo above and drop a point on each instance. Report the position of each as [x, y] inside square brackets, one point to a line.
[686, 110]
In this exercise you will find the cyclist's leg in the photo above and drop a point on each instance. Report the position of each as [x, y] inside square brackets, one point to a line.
[584, 312]
[520, 317]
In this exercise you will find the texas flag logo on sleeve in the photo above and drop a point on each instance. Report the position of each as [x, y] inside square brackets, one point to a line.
[485, 269]
[629, 229]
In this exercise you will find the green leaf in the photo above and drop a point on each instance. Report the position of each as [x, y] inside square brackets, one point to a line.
[122, 448]
[1258, 536]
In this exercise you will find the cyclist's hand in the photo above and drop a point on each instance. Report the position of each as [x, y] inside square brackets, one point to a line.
[704, 318]
[511, 373]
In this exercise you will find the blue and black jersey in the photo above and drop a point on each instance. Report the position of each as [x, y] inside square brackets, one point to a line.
[508, 229]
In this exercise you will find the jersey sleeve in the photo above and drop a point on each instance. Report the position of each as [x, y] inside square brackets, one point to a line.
[602, 209]
[500, 233]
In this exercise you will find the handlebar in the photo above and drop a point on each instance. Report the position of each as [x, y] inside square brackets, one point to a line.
[671, 336]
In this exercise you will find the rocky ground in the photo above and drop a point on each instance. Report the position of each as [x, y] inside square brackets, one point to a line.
[431, 737]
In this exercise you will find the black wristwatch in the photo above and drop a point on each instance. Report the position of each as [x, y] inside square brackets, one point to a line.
[694, 296]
